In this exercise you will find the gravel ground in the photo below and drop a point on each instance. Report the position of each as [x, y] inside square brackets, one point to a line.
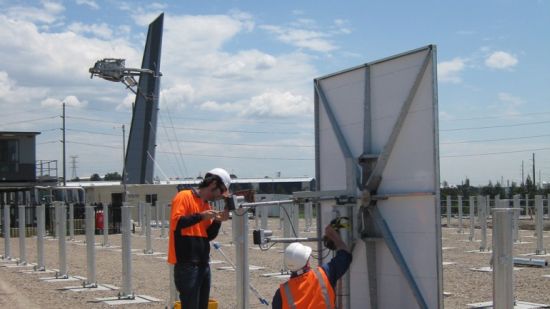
[150, 274]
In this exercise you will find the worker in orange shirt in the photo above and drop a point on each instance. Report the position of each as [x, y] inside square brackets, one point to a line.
[312, 288]
[193, 224]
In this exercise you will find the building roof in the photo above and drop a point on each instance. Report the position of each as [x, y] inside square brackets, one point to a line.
[16, 133]
[191, 181]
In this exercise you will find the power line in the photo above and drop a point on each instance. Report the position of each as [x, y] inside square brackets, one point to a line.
[494, 153]
[497, 126]
[238, 157]
[95, 132]
[495, 139]
[498, 117]
[29, 120]
[243, 144]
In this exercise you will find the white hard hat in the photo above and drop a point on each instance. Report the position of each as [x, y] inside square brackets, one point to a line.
[296, 256]
[223, 174]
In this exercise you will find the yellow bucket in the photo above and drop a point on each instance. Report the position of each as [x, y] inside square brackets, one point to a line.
[212, 304]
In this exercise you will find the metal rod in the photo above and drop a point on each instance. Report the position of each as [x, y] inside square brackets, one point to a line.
[148, 247]
[22, 236]
[448, 211]
[71, 221]
[62, 233]
[460, 215]
[126, 230]
[240, 239]
[503, 266]
[516, 216]
[40, 231]
[539, 225]
[106, 226]
[163, 219]
[482, 208]
[7, 252]
[472, 209]
[91, 280]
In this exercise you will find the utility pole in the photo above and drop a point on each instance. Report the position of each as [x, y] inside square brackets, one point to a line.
[64, 162]
[534, 175]
[73, 166]
[522, 177]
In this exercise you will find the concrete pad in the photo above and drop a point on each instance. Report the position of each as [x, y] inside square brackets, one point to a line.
[518, 305]
[250, 268]
[447, 294]
[546, 276]
[276, 275]
[138, 299]
[448, 248]
[17, 265]
[99, 287]
[216, 262]
[38, 272]
[54, 279]
[478, 251]
[448, 263]
[534, 254]
[150, 254]
[487, 269]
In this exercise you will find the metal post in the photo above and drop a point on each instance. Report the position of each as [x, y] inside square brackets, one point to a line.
[539, 225]
[172, 287]
[516, 216]
[503, 263]
[7, 253]
[91, 281]
[448, 211]
[126, 229]
[526, 204]
[482, 208]
[143, 221]
[22, 236]
[105, 226]
[472, 205]
[265, 215]
[40, 231]
[62, 233]
[308, 215]
[240, 239]
[460, 215]
[163, 220]
[157, 214]
[71, 221]
[148, 247]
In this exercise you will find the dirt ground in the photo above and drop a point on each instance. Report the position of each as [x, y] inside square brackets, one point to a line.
[150, 273]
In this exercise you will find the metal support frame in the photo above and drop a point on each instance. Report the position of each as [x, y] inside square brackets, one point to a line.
[105, 226]
[7, 237]
[148, 247]
[40, 232]
[472, 209]
[126, 228]
[240, 240]
[460, 230]
[503, 278]
[61, 221]
[539, 217]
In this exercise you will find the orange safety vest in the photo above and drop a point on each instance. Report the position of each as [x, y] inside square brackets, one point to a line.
[186, 203]
[311, 290]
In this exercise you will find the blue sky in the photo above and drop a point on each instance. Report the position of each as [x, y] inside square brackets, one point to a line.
[237, 87]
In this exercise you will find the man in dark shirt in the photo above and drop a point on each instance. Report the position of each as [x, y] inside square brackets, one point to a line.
[295, 291]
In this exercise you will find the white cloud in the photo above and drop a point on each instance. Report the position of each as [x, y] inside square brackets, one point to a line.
[177, 97]
[268, 104]
[510, 103]
[91, 3]
[48, 14]
[449, 71]
[501, 60]
[309, 39]
[98, 30]
[70, 100]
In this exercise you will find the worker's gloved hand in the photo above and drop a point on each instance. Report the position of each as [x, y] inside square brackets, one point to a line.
[222, 215]
[208, 214]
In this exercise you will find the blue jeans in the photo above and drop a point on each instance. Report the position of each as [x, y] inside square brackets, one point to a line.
[193, 284]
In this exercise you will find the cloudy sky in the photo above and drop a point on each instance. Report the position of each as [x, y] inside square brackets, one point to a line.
[237, 85]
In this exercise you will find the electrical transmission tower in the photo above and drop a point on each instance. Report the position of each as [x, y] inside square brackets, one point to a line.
[73, 166]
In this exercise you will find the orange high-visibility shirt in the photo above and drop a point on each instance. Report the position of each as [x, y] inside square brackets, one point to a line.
[311, 290]
[186, 203]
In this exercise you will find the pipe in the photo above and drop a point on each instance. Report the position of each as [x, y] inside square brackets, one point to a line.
[530, 262]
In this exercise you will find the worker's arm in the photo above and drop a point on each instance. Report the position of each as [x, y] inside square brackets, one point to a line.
[339, 265]
[277, 302]
[189, 220]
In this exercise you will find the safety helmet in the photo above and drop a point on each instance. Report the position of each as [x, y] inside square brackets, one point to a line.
[296, 256]
[223, 174]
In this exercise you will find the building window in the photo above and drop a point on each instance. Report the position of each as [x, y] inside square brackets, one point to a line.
[9, 156]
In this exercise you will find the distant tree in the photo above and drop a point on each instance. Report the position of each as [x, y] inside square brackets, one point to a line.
[112, 176]
[95, 177]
